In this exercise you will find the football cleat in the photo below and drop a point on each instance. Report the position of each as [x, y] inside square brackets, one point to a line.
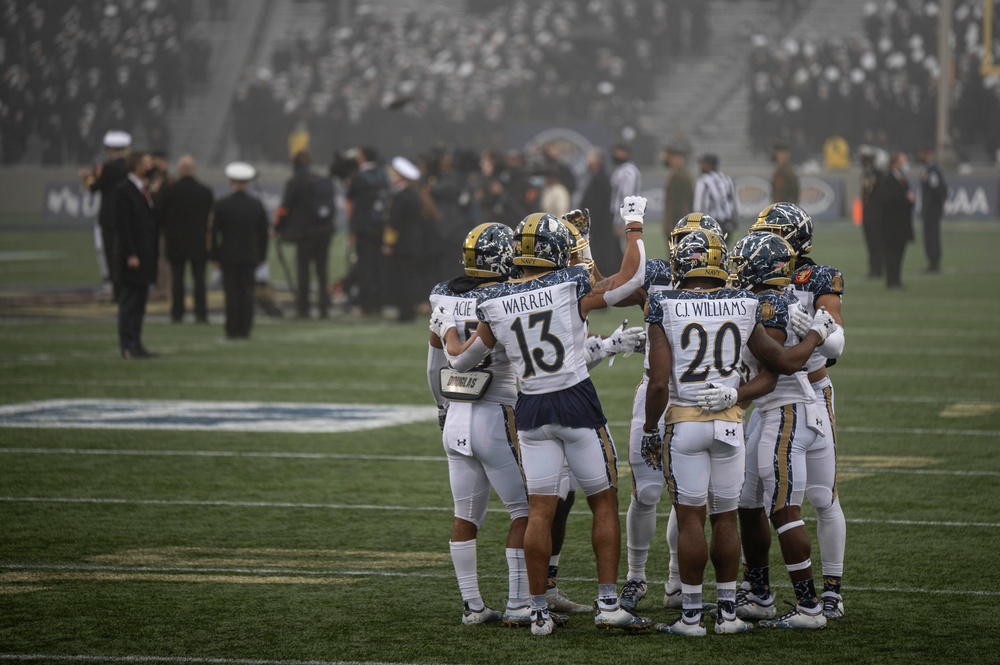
[520, 617]
[761, 259]
[800, 618]
[833, 606]
[672, 599]
[752, 607]
[631, 594]
[558, 602]
[726, 621]
[488, 251]
[700, 253]
[541, 623]
[684, 625]
[620, 618]
[474, 617]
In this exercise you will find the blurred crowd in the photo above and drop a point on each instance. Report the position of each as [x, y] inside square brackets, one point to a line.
[71, 71]
[404, 77]
[878, 88]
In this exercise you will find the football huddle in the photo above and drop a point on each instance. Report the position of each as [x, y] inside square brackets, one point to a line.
[509, 361]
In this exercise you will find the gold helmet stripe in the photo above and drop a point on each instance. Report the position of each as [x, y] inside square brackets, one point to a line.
[469, 250]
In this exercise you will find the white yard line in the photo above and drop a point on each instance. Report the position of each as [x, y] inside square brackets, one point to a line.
[346, 506]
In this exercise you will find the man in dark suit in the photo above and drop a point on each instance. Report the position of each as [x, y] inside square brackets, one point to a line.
[933, 195]
[871, 216]
[410, 234]
[105, 178]
[137, 253]
[185, 209]
[297, 221]
[604, 243]
[239, 245]
[897, 200]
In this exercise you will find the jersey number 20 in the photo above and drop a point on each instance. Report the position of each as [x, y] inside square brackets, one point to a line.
[695, 372]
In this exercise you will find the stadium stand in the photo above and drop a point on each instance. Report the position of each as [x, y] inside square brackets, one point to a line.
[69, 74]
[396, 76]
[876, 86]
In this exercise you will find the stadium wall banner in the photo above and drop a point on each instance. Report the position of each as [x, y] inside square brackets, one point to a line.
[824, 197]
[67, 201]
[821, 197]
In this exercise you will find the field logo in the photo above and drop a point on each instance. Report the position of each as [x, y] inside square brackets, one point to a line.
[210, 416]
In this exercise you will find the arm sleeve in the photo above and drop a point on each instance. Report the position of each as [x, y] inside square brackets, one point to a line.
[634, 282]
[123, 218]
[469, 358]
[834, 344]
[436, 360]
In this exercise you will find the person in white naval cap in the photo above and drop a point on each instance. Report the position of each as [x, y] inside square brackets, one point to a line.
[239, 246]
[104, 178]
[410, 234]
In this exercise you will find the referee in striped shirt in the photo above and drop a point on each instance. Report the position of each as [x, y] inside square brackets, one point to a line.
[715, 194]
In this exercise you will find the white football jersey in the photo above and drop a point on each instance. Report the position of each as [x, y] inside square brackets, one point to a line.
[538, 321]
[707, 332]
[775, 308]
[503, 387]
[657, 279]
[811, 281]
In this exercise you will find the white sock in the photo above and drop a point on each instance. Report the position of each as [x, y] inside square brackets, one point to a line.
[554, 559]
[463, 555]
[673, 533]
[640, 526]
[831, 533]
[517, 578]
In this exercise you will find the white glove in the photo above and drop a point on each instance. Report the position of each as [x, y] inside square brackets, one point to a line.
[800, 321]
[441, 320]
[716, 398]
[633, 209]
[824, 324]
[593, 350]
[625, 342]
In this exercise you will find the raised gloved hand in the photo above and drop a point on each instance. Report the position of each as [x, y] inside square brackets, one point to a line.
[823, 323]
[716, 398]
[580, 218]
[801, 321]
[651, 449]
[441, 320]
[593, 350]
[633, 208]
[442, 414]
[625, 342]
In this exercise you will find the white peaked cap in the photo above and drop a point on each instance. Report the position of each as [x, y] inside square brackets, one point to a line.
[240, 171]
[117, 139]
[405, 168]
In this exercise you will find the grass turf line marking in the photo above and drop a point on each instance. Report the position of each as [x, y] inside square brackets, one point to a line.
[344, 506]
[919, 431]
[880, 467]
[182, 660]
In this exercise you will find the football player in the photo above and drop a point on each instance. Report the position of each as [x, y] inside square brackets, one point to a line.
[475, 410]
[697, 335]
[785, 444]
[818, 286]
[647, 478]
[542, 322]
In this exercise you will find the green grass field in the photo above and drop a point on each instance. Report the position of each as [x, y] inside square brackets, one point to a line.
[192, 546]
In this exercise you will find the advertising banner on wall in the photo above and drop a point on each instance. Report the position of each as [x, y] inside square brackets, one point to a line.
[67, 201]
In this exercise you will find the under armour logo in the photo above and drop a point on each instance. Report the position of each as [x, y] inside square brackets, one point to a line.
[463, 442]
[631, 207]
[819, 422]
[730, 432]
